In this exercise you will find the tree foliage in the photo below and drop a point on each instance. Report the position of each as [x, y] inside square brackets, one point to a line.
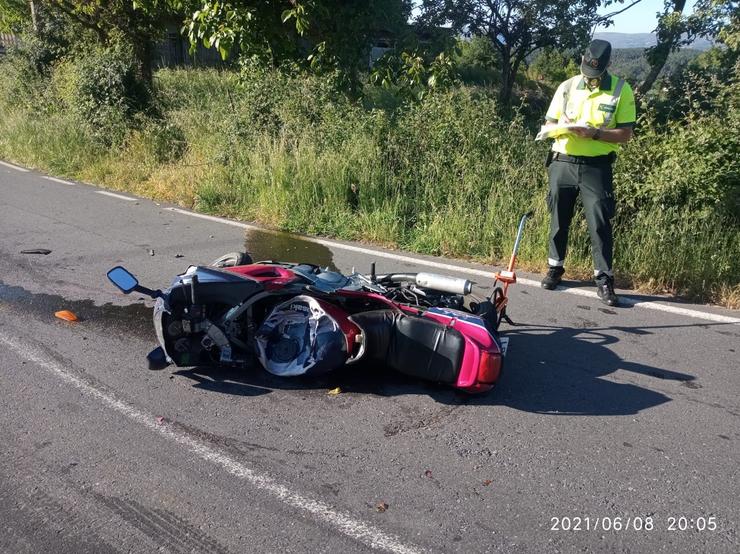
[135, 23]
[553, 66]
[477, 61]
[675, 29]
[320, 33]
[411, 76]
[516, 28]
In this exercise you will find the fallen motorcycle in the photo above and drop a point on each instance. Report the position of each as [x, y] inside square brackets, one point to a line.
[300, 319]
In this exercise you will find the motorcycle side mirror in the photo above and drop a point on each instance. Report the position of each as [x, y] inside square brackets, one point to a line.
[123, 279]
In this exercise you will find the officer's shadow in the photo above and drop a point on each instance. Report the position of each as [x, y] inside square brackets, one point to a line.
[565, 371]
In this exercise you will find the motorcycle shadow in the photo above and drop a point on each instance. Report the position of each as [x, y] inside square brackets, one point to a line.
[549, 370]
[360, 378]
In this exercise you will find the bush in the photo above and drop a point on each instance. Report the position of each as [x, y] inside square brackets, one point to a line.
[101, 87]
[689, 165]
[477, 61]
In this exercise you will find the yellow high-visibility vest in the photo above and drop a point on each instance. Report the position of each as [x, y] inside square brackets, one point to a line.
[610, 106]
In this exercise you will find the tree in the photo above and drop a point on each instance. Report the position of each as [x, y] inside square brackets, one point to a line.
[322, 33]
[675, 29]
[517, 28]
[138, 23]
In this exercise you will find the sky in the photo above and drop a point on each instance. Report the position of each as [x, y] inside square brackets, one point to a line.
[639, 18]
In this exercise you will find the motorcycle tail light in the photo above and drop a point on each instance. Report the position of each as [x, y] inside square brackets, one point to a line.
[489, 368]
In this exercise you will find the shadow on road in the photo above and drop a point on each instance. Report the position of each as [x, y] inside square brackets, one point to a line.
[561, 370]
[549, 370]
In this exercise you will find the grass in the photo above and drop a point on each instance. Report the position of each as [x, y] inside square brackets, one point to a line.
[446, 177]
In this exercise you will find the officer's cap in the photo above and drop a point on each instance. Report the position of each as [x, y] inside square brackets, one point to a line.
[596, 58]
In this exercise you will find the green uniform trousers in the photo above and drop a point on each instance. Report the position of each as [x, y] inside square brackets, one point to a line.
[594, 184]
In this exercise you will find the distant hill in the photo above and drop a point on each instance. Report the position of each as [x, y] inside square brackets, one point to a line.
[643, 40]
[631, 64]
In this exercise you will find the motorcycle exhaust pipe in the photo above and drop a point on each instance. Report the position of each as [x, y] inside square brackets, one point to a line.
[453, 285]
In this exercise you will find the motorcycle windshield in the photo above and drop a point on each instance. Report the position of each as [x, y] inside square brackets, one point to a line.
[299, 338]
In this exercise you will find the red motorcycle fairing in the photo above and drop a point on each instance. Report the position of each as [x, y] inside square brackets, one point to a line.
[272, 277]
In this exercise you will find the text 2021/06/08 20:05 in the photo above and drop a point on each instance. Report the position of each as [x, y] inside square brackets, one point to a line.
[636, 523]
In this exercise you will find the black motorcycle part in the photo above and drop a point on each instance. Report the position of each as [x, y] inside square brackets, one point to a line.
[413, 345]
[157, 359]
[232, 290]
[232, 259]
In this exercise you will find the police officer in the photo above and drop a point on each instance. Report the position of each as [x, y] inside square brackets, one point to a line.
[580, 162]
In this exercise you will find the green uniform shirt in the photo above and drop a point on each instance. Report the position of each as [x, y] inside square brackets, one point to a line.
[591, 108]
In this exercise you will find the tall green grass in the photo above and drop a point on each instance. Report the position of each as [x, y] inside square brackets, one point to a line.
[447, 176]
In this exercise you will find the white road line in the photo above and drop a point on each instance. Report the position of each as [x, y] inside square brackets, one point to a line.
[342, 522]
[667, 308]
[119, 196]
[56, 180]
[11, 166]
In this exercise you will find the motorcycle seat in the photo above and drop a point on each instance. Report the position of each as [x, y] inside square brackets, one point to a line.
[413, 345]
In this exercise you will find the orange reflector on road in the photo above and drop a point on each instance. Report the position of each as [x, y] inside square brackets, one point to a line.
[66, 315]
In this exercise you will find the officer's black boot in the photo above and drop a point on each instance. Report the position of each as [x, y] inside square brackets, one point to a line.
[553, 277]
[605, 289]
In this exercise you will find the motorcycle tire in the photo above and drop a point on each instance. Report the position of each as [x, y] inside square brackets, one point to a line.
[232, 259]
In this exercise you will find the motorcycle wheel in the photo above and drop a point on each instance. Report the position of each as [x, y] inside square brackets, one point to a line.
[232, 259]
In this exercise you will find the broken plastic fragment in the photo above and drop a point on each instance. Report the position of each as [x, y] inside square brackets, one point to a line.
[43, 251]
[160, 420]
[66, 315]
[334, 392]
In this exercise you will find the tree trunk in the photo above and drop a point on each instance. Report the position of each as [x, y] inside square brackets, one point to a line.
[34, 19]
[667, 41]
[649, 80]
[143, 52]
[507, 80]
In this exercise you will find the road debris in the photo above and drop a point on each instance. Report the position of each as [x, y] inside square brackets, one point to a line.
[381, 506]
[334, 392]
[42, 251]
[66, 315]
[151, 252]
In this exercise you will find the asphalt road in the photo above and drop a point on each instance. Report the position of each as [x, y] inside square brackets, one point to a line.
[607, 428]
